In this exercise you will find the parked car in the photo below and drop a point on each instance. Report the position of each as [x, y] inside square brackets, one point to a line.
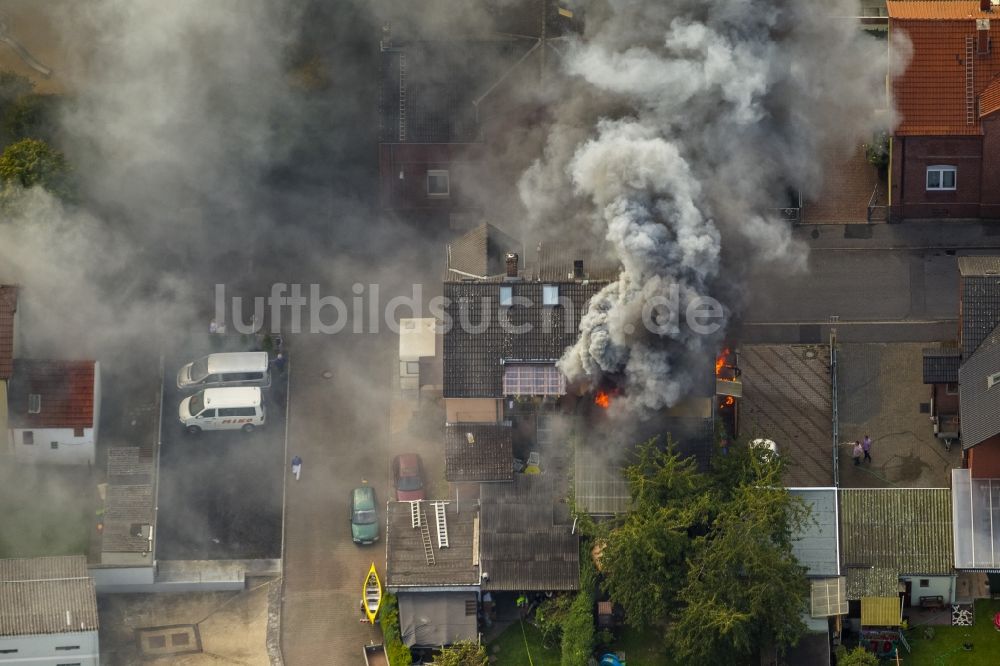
[222, 409]
[364, 515]
[408, 477]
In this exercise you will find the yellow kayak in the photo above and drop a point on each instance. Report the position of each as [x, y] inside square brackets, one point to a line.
[372, 594]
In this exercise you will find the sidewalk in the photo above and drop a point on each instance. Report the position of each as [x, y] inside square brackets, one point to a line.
[914, 235]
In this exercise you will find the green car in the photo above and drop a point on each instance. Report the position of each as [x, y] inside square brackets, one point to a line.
[364, 516]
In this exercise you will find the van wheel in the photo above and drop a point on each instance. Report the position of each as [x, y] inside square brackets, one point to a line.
[248, 427]
[193, 430]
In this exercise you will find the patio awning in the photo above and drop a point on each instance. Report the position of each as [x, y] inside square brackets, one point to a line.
[975, 506]
[880, 612]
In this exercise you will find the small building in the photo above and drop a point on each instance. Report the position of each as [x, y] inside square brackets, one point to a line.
[54, 410]
[945, 153]
[418, 350]
[48, 612]
[476, 453]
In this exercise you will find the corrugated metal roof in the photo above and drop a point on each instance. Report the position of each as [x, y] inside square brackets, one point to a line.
[66, 389]
[940, 365]
[488, 457]
[880, 612]
[787, 398]
[978, 398]
[8, 306]
[46, 595]
[907, 530]
[523, 544]
[815, 544]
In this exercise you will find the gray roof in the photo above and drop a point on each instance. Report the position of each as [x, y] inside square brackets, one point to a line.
[980, 306]
[473, 359]
[46, 595]
[481, 252]
[127, 466]
[787, 398]
[977, 523]
[871, 582]
[406, 564]
[816, 543]
[941, 364]
[906, 530]
[526, 541]
[433, 619]
[978, 403]
[129, 502]
[489, 457]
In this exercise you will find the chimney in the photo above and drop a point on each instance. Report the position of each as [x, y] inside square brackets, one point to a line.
[984, 5]
[578, 269]
[512, 264]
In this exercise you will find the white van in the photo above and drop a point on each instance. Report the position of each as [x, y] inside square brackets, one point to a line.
[226, 369]
[222, 409]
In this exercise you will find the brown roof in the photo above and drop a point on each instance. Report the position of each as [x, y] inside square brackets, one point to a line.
[46, 595]
[931, 93]
[66, 389]
[8, 306]
[488, 457]
[989, 100]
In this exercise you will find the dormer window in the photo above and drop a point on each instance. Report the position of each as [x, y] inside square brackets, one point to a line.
[506, 296]
[34, 403]
[550, 294]
[992, 380]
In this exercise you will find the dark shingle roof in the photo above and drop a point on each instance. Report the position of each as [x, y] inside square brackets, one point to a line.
[481, 252]
[488, 458]
[524, 544]
[941, 365]
[406, 564]
[128, 508]
[978, 399]
[66, 389]
[8, 306]
[46, 595]
[473, 358]
[905, 530]
[980, 305]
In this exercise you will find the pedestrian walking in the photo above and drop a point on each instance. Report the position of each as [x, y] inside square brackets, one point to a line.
[857, 452]
[297, 467]
[866, 445]
[279, 362]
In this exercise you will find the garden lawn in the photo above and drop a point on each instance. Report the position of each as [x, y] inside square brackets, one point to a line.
[640, 648]
[945, 649]
[46, 509]
[510, 650]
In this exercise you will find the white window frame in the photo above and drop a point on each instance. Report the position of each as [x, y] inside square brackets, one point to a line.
[506, 296]
[548, 291]
[34, 403]
[447, 183]
[941, 170]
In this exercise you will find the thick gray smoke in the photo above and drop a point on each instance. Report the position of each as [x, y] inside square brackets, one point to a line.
[707, 114]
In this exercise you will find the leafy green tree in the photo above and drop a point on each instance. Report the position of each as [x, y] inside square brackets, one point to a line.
[31, 162]
[30, 117]
[709, 555]
[550, 616]
[462, 653]
[857, 657]
[578, 634]
[12, 87]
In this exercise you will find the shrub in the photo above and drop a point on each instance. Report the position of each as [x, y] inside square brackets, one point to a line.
[395, 650]
[578, 627]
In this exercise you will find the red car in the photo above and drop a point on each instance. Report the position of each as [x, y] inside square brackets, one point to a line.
[408, 477]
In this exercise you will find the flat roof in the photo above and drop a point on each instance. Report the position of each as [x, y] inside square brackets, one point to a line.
[237, 362]
[235, 396]
[407, 565]
[816, 544]
[977, 525]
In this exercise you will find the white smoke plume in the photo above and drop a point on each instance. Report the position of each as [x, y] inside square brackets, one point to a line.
[709, 112]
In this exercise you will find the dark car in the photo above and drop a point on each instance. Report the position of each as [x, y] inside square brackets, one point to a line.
[364, 515]
[408, 477]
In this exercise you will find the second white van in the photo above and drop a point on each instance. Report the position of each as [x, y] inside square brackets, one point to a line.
[234, 408]
[226, 369]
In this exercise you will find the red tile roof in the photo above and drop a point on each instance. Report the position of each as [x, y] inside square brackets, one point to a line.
[66, 389]
[989, 100]
[8, 306]
[931, 94]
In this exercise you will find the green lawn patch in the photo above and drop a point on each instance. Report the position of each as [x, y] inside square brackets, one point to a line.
[640, 647]
[945, 648]
[46, 509]
[510, 650]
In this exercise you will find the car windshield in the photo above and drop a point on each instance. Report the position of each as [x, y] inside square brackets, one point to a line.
[199, 369]
[197, 403]
[364, 517]
[410, 483]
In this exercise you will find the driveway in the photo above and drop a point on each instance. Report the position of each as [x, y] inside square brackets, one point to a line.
[339, 426]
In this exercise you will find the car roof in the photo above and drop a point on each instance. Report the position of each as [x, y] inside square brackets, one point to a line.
[408, 460]
[237, 362]
[364, 494]
[248, 396]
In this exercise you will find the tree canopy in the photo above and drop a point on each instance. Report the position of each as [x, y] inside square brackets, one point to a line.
[31, 162]
[708, 556]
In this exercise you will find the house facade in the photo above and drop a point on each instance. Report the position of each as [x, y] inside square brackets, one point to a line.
[8, 345]
[945, 153]
[48, 612]
[54, 411]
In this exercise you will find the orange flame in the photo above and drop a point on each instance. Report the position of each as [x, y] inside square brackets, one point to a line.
[602, 399]
[729, 401]
[720, 361]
